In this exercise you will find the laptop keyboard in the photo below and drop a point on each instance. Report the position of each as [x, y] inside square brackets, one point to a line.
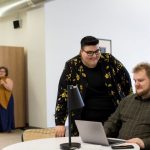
[112, 141]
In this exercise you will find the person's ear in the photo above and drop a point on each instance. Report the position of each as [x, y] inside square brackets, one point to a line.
[80, 52]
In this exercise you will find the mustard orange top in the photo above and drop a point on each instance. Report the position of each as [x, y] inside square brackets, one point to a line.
[4, 96]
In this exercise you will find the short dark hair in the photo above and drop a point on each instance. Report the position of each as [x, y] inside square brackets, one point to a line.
[6, 70]
[142, 66]
[89, 40]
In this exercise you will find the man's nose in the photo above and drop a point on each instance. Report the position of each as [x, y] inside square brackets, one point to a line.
[94, 55]
[136, 83]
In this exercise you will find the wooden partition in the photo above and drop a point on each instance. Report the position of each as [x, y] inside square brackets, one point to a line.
[14, 59]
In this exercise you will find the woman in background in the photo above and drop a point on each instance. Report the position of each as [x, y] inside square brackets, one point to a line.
[6, 101]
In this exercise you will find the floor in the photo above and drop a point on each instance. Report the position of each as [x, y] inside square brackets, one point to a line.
[10, 138]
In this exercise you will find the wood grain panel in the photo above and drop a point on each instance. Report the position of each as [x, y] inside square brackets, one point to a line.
[14, 59]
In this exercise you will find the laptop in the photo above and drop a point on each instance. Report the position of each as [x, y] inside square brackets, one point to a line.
[94, 133]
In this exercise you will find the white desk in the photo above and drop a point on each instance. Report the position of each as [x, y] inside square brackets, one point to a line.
[54, 144]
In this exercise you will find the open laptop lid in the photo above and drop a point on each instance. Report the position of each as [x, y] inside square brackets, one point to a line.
[92, 132]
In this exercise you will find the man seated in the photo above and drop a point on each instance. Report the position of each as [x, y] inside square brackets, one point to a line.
[131, 120]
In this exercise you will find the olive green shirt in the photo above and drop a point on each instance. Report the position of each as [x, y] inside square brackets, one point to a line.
[131, 120]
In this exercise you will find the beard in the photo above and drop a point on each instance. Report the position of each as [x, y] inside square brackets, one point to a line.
[143, 93]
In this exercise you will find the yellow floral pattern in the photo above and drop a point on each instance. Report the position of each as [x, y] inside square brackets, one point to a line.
[117, 82]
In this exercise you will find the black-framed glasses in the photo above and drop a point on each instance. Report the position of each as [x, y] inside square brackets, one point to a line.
[91, 53]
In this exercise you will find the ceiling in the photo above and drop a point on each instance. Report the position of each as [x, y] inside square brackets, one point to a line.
[9, 7]
[1, 1]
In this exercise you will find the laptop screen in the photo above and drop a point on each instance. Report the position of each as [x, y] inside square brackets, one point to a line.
[94, 133]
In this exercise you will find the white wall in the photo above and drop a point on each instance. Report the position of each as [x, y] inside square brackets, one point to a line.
[31, 36]
[36, 68]
[11, 36]
[125, 22]
[52, 34]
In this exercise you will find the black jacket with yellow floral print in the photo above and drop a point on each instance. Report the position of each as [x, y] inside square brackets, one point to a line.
[117, 82]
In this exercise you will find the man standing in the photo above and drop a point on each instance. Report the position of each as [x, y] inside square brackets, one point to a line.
[131, 120]
[102, 81]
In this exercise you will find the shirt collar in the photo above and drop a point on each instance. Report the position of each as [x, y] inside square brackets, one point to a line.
[137, 97]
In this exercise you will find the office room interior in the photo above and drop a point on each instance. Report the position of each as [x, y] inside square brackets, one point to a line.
[51, 34]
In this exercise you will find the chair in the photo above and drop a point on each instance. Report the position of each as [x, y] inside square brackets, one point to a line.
[32, 134]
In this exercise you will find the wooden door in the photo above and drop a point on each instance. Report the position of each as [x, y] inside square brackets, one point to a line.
[14, 59]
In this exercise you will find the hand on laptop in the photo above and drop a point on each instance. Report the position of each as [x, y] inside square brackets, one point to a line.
[137, 141]
[60, 131]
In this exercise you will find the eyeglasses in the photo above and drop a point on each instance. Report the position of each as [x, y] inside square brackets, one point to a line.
[91, 53]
